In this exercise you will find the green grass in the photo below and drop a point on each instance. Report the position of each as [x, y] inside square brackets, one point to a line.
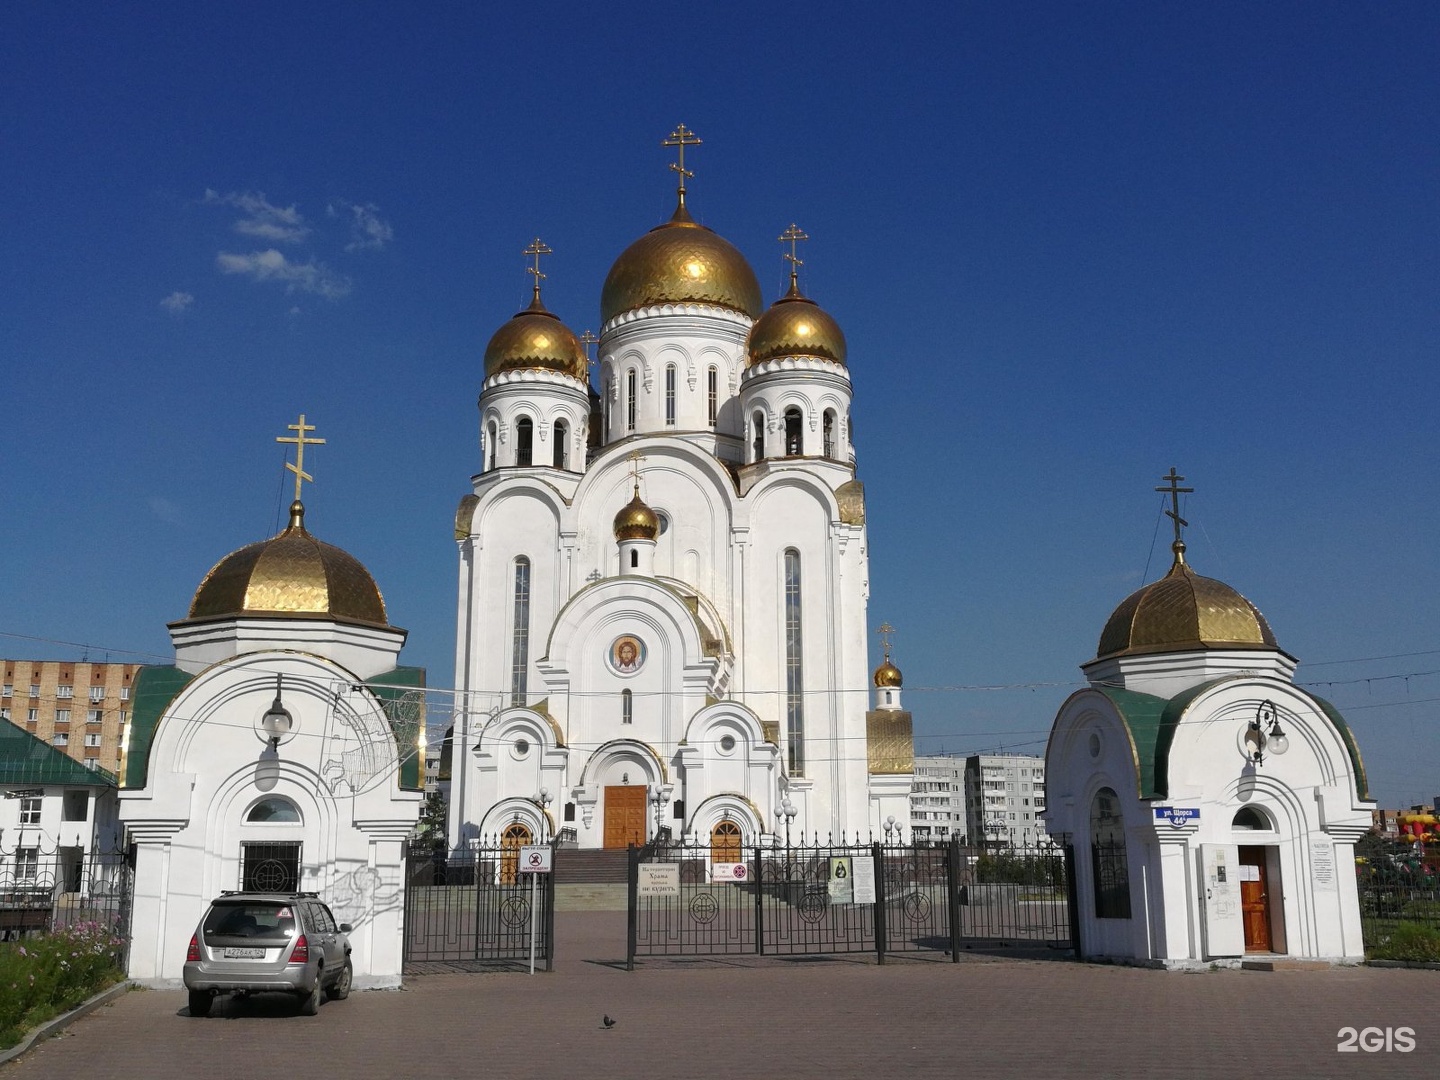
[1407, 941]
[45, 976]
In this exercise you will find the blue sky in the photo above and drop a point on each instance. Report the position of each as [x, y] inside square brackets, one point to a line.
[1070, 246]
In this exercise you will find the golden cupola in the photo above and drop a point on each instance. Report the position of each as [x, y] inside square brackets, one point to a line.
[795, 326]
[636, 521]
[887, 676]
[534, 340]
[292, 575]
[1184, 612]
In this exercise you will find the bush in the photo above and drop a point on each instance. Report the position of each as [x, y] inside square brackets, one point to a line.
[1409, 941]
[42, 977]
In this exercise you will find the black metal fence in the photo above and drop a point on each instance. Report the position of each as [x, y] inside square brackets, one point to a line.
[44, 890]
[843, 898]
[478, 910]
[1389, 900]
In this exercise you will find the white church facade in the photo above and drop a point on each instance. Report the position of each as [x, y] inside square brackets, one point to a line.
[1213, 804]
[664, 579]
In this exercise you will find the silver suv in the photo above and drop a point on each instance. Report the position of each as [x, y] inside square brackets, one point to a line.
[249, 942]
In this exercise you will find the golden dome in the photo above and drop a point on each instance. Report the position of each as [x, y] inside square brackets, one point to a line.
[795, 326]
[887, 675]
[1184, 611]
[680, 262]
[636, 521]
[536, 339]
[288, 575]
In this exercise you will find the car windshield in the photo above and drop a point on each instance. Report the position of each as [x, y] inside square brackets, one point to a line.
[249, 919]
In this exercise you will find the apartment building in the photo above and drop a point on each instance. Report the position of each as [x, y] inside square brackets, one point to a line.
[937, 799]
[79, 708]
[1004, 800]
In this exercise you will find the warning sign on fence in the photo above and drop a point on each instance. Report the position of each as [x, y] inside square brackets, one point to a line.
[658, 879]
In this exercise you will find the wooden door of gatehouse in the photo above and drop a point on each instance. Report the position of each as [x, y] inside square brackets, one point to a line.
[624, 815]
[1254, 898]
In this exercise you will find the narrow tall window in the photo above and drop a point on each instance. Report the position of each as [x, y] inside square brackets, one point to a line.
[630, 400]
[562, 444]
[757, 423]
[609, 393]
[794, 446]
[520, 639]
[1108, 865]
[670, 395]
[524, 440]
[712, 409]
[492, 439]
[627, 707]
[829, 433]
[794, 676]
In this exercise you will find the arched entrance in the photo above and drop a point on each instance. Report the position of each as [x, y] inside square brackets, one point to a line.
[725, 843]
[516, 835]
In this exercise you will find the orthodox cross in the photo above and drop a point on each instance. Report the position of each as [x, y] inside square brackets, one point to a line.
[680, 138]
[1175, 491]
[300, 442]
[635, 459]
[593, 576]
[587, 339]
[793, 236]
[885, 631]
[536, 249]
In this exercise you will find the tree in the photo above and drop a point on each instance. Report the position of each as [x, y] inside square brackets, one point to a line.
[433, 818]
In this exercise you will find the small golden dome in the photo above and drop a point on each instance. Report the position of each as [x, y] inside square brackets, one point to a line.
[795, 326]
[636, 521]
[536, 339]
[887, 676]
[292, 574]
[1184, 611]
[680, 262]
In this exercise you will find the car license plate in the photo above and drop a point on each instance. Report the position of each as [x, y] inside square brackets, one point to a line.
[244, 954]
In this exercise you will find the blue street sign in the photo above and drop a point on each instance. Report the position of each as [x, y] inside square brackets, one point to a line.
[1177, 816]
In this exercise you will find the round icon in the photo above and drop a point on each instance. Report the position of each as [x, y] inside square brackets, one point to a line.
[626, 655]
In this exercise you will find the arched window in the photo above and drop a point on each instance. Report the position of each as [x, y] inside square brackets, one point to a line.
[712, 409]
[562, 444]
[524, 440]
[1249, 819]
[794, 675]
[492, 439]
[725, 843]
[630, 400]
[757, 423]
[273, 810]
[794, 440]
[627, 707]
[670, 394]
[520, 635]
[829, 432]
[1107, 857]
[634, 560]
[609, 393]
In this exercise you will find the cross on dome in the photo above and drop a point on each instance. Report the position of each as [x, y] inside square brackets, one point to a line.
[1175, 491]
[680, 138]
[792, 236]
[300, 442]
[536, 249]
[587, 339]
[885, 630]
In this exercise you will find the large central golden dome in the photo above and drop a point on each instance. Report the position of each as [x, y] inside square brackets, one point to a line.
[536, 339]
[680, 262]
[1184, 611]
[292, 574]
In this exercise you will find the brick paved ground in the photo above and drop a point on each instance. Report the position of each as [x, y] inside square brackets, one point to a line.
[843, 1017]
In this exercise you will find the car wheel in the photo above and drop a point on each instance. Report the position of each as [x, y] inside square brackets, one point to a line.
[200, 1003]
[310, 1003]
[339, 990]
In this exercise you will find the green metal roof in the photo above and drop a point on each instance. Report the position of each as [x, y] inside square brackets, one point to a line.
[26, 761]
[154, 689]
[401, 692]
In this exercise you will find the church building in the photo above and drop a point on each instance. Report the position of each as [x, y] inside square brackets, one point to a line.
[664, 577]
[1212, 804]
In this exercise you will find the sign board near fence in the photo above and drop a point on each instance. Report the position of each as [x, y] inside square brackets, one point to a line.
[535, 860]
[729, 871]
[659, 879]
[842, 889]
[862, 878]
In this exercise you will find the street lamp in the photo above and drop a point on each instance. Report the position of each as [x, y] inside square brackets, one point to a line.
[543, 800]
[657, 800]
[786, 812]
[890, 827]
[277, 721]
[1265, 733]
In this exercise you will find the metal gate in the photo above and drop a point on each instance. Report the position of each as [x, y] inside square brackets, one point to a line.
[796, 900]
[473, 911]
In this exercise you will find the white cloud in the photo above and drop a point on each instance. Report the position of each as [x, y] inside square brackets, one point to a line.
[271, 265]
[278, 224]
[368, 230]
[177, 302]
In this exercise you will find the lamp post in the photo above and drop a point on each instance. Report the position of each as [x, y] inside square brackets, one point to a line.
[277, 721]
[890, 828]
[657, 800]
[786, 812]
[543, 800]
[1265, 733]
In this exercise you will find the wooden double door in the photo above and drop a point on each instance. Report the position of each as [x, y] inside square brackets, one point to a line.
[1255, 899]
[625, 815]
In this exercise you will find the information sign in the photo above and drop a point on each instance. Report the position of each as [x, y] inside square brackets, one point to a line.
[535, 860]
[659, 879]
[842, 888]
[862, 878]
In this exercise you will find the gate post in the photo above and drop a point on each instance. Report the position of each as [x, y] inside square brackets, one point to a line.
[550, 909]
[1072, 900]
[759, 903]
[952, 895]
[877, 851]
[632, 904]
